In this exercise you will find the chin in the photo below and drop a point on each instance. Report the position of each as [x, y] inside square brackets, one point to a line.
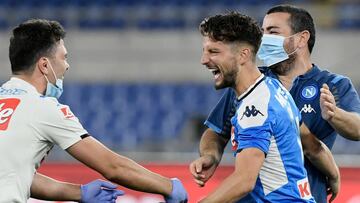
[220, 86]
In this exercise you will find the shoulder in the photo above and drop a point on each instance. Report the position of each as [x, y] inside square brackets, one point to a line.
[51, 108]
[253, 110]
[332, 78]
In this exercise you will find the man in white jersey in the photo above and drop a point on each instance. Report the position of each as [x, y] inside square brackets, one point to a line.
[32, 121]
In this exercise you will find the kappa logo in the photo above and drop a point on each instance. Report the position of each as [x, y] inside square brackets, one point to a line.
[307, 109]
[7, 108]
[251, 112]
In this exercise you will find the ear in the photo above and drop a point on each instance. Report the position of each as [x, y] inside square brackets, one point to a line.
[304, 38]
[42, 65]
[245, 54]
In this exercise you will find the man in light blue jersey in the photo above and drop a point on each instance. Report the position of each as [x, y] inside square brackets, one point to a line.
[326, 111]
[265, 127]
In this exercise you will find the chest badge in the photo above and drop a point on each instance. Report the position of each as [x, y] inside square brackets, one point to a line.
[309, 92]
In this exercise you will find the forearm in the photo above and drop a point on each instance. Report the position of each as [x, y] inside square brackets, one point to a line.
[242, 180]
[347, 124]
[119, 169]
[233, 188]
[212, 144]
[128, 173]
[46, 188]
[323, 160]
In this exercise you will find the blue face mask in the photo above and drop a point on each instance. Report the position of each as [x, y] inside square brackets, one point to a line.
[54, 90]
[272, 50]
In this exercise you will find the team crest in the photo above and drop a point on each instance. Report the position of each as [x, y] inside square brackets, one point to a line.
[309, 92]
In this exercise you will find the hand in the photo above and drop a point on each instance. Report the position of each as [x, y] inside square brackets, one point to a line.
[327, 103]
[99, 191]
[333, 187]
[202, 169]
[178, 193]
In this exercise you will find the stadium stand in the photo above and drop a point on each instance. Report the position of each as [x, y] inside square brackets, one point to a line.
[125, 115]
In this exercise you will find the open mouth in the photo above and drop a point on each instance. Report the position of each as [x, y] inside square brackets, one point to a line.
[216, 72]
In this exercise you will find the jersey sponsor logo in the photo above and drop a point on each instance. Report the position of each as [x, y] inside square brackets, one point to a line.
[307, 109]
[309, 92]
[251, 112]
[7, 108]
[304, 188]
[67, 112]
[234, 143]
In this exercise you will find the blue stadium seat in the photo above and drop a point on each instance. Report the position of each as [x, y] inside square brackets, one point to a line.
[112, 112]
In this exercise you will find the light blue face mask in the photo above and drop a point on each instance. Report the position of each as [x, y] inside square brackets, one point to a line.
[272, 50]
[54, 90]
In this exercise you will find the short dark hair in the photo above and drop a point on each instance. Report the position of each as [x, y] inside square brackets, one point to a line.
[232, 27]
[300, 20]
[31, 40]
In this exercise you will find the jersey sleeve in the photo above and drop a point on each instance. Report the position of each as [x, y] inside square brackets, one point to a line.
[255, 137]
[219, 119]
[254, 122]
[345, 94]
[59, 125]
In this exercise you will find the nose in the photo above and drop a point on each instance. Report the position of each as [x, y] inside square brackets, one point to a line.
[204, 59]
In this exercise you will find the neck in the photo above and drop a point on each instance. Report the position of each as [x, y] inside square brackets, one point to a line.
[37, 81]
[246, 77]
[299, 67]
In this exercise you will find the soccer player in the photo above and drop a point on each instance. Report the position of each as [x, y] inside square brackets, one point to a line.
[265, 127]
[32, 121]
[328, 102]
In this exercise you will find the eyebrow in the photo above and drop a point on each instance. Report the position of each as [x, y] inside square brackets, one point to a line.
[271, 27]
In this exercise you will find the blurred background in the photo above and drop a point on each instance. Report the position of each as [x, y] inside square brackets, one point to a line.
[136, 82]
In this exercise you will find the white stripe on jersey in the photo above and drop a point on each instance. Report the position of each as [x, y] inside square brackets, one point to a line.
[272, 174]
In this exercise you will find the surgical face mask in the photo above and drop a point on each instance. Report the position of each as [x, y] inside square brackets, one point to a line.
[54, 90]
[272, 50]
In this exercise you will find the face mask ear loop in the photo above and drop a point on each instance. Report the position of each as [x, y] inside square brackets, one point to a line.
[52, 70]
[297, 48]
[293, 51]
[46, 78]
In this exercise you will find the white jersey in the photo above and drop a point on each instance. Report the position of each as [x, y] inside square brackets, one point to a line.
[30, 125]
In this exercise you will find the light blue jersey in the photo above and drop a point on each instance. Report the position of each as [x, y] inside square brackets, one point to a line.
[267, 118]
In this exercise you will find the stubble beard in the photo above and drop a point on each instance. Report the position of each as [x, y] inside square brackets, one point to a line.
[229, 80]
[283, 68]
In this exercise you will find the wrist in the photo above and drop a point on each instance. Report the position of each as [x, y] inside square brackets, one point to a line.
[213, 158]
[332, 119]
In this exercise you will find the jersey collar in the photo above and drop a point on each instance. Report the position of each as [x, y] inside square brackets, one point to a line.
[252, 87]
[22, 84]
[311, 73]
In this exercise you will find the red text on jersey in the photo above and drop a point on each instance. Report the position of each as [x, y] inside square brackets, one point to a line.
[7, 108]
[67, 112]
[304, 188]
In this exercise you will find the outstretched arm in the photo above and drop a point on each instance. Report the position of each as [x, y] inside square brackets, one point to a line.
[122, 170]
[320, 156]
[344, 122]
[46, 188]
